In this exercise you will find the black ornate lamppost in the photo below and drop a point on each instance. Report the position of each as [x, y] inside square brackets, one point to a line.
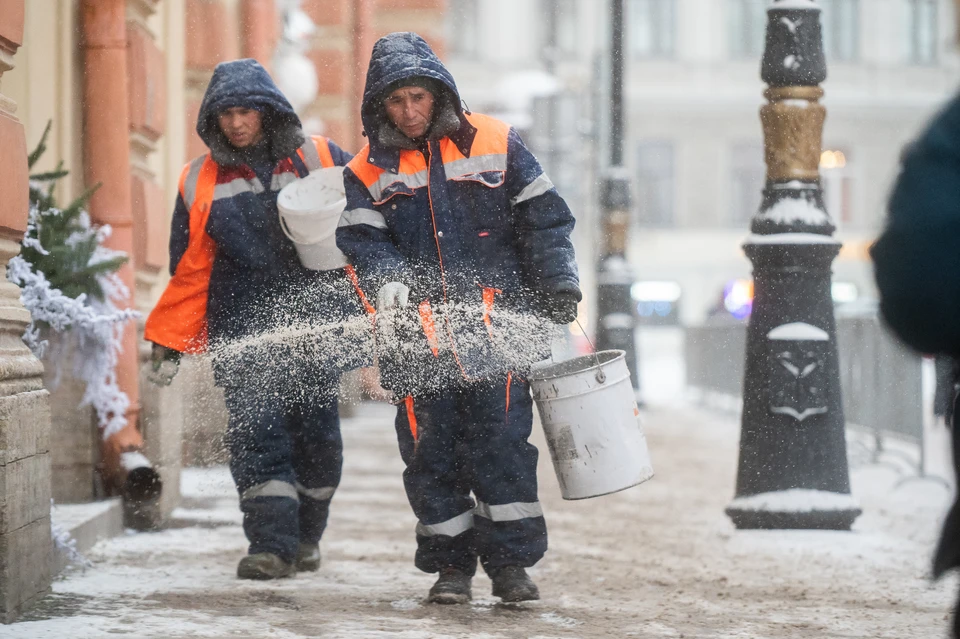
[793, 462]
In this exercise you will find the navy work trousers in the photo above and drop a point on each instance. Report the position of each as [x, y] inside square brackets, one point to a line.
[286, 456]
[473, 439]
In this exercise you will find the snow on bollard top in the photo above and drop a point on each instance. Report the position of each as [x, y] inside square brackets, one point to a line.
[795, 500]
[798, 331]
[808, 5]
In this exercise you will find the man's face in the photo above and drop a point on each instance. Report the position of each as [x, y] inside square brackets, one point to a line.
[411, 110]
[241, 125]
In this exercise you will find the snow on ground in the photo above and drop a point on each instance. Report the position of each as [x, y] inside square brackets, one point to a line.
[660, 560]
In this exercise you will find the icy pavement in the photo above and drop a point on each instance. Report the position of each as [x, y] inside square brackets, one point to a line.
[659, 560]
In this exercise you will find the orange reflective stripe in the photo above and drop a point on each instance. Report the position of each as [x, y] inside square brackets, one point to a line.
[368, 173]
[491, 139]
[179, 320]
[509, 381]
[352, 275]
[488, 297]
[429, 327]
[323, 150]
[411, 417]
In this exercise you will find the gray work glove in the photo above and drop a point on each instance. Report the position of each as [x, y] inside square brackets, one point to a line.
[392, 295]
[164, 364]
[559, 308]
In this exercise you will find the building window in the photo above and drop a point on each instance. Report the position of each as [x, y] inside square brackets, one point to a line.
[837, 185]
[651, 28]
[747, 27]
[655, 193]
[561, 28]
[747, 181]
[840, 21]
[921, 31]
[463, 27]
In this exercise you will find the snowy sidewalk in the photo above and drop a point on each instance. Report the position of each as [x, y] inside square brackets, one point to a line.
[659, 560]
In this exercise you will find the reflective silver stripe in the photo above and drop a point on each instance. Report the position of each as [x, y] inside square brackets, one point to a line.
[539, 186]
[190, 183]
[236, 187]
[271, 488]
[509, 512]
[280, 180]
[476, 164]
[362, 216]
[449, 528]
[320, 494]
[413, 180]
[310, 156]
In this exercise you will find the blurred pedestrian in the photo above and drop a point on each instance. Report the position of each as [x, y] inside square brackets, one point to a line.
[234, 275]
[945, 387]
[917, 268]
[445, 208]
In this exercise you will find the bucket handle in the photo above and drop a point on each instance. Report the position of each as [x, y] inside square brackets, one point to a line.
[287, 231]
[600, 376]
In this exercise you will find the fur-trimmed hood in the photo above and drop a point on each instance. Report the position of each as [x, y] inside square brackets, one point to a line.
[245, 83]
[397, 58]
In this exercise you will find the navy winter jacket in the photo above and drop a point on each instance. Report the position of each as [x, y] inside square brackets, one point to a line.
[917, 268]
[917, 258]
[464, 216]
[234, 272]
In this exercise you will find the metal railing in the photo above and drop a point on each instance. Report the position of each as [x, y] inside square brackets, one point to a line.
[880, 379]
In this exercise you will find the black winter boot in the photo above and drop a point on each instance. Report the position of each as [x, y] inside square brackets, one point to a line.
[264, 565]
[452, 587]
[512, 584]
[308, 557]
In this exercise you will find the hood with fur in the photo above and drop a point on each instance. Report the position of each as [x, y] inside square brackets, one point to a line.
[244, 83]
[397, 59]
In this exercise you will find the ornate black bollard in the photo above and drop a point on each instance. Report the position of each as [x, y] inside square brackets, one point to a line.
[793, 462]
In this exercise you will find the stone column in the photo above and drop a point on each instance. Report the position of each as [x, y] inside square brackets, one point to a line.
[332, 55]
[107, 162]
[25, 544]
[211, 39]
[793, 456]
[258, 23]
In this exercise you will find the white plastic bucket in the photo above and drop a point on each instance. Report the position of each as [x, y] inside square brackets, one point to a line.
[310, 211]
[589, 414]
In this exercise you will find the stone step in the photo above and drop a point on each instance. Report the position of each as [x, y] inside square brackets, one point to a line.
[87, 524]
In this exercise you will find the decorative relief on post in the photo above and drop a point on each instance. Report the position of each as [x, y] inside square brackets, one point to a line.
[796, 384]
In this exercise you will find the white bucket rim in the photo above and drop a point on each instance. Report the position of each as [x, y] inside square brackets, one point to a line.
[553, 370]
[329, 209]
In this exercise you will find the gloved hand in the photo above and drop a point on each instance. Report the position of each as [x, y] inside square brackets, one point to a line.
[164, 364]
[392, 294]
[560, 308]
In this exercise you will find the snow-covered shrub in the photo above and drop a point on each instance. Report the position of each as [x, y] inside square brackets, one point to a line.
[70, 286]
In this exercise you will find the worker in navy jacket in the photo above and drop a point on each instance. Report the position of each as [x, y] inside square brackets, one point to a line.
[917, 269]
[450, 215]
[234, 277]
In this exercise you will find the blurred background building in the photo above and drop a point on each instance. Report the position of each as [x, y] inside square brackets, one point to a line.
[695, 148]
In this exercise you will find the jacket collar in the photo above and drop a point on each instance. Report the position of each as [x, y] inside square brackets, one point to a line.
[388, 158]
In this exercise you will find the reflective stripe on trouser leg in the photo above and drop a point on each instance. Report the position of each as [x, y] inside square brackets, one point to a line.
[317, 457]
[435, 486]
[260, 462]
[509, 527]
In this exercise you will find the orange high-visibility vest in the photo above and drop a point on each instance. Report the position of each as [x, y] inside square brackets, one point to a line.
[179, 320]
